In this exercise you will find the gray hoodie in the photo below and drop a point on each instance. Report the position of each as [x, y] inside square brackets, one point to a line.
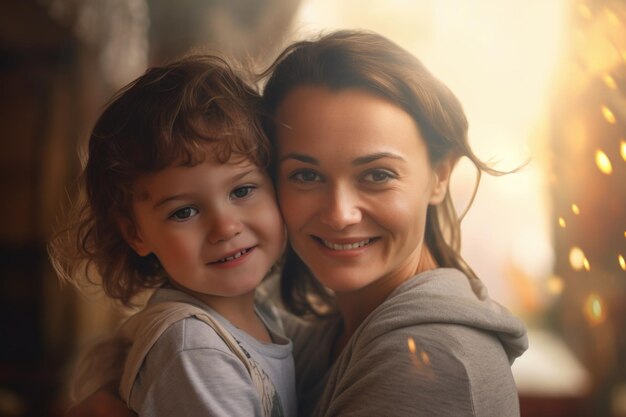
[437, 346]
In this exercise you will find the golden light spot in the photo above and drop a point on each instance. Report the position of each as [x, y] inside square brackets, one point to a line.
[594, 309]
[622, 262]
[613, 18]
[584, 11]
[608, 114]
[575, 209]
[425, 358]
[411, 344]
[576, 258]
[562, 222]
[555, 285]
[586, 265]
[609, 81]
[622, 149]
[603, 162]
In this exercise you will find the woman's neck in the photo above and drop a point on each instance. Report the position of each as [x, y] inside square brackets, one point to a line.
[356, 306]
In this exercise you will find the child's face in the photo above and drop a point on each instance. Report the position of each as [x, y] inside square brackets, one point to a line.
[214, 227]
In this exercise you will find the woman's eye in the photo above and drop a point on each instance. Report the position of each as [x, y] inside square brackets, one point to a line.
[306, 176]
[184, 213]
[379, 176]
[242, 192]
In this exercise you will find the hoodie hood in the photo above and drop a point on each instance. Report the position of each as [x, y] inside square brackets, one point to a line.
[447, 296]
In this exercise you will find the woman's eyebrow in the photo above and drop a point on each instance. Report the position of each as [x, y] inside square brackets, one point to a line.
[376, 156]
[300, 157]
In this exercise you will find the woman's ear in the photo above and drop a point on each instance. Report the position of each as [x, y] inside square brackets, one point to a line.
[441, 178]
[132, 236]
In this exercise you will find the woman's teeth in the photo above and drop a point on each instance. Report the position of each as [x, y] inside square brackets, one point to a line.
[348, 246]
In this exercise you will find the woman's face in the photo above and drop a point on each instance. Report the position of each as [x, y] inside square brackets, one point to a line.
[354, 185]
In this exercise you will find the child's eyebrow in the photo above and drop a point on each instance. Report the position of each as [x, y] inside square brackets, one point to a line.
[186, 196]
[171, 198]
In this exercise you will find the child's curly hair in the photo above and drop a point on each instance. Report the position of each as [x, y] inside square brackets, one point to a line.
[164, 117]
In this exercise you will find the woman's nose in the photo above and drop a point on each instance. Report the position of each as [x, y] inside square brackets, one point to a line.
[341, 209]
[223, 226]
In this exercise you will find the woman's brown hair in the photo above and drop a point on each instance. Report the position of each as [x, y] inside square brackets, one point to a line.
[371, 62]
[163, 118]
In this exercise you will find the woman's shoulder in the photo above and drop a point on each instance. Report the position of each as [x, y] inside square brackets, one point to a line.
[444, 309]
[455, 349]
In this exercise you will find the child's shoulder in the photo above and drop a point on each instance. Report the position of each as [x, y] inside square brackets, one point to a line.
[175, 326]
[190, 333]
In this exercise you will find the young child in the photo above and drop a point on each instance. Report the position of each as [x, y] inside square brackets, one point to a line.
[178, 199]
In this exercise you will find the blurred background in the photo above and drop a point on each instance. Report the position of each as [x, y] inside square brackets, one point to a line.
[543, 81]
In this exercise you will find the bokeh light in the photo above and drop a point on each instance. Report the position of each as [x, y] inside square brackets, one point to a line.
[608, 114]
[603, 162]
[555, 285]
[577, 258]
[594, 309]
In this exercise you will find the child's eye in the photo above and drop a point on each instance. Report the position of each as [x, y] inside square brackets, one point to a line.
[378, 176]
[305, 176]
[184, 213]
[242, 192]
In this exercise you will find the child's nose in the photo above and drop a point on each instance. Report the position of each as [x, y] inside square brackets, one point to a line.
[223, 227]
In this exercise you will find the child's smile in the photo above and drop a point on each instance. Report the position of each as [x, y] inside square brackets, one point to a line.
[214, 227]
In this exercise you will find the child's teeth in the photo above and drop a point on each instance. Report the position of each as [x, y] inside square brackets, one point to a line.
[235, 256]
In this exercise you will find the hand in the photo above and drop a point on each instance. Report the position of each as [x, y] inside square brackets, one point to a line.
[100, 404]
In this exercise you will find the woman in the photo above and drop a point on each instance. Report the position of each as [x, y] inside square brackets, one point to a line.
[366, 139]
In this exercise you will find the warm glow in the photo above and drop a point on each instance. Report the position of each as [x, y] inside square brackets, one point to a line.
[562, 222]
[555, 285]
[613, 18]
[622, 149]
[586, 265]
[425, 358]
[603, 162]
[575, 209]
[594, 309]
[577, 258]
[411, 344]
[610, 82]
[622, 262]
[608, 114]
[584, 11]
